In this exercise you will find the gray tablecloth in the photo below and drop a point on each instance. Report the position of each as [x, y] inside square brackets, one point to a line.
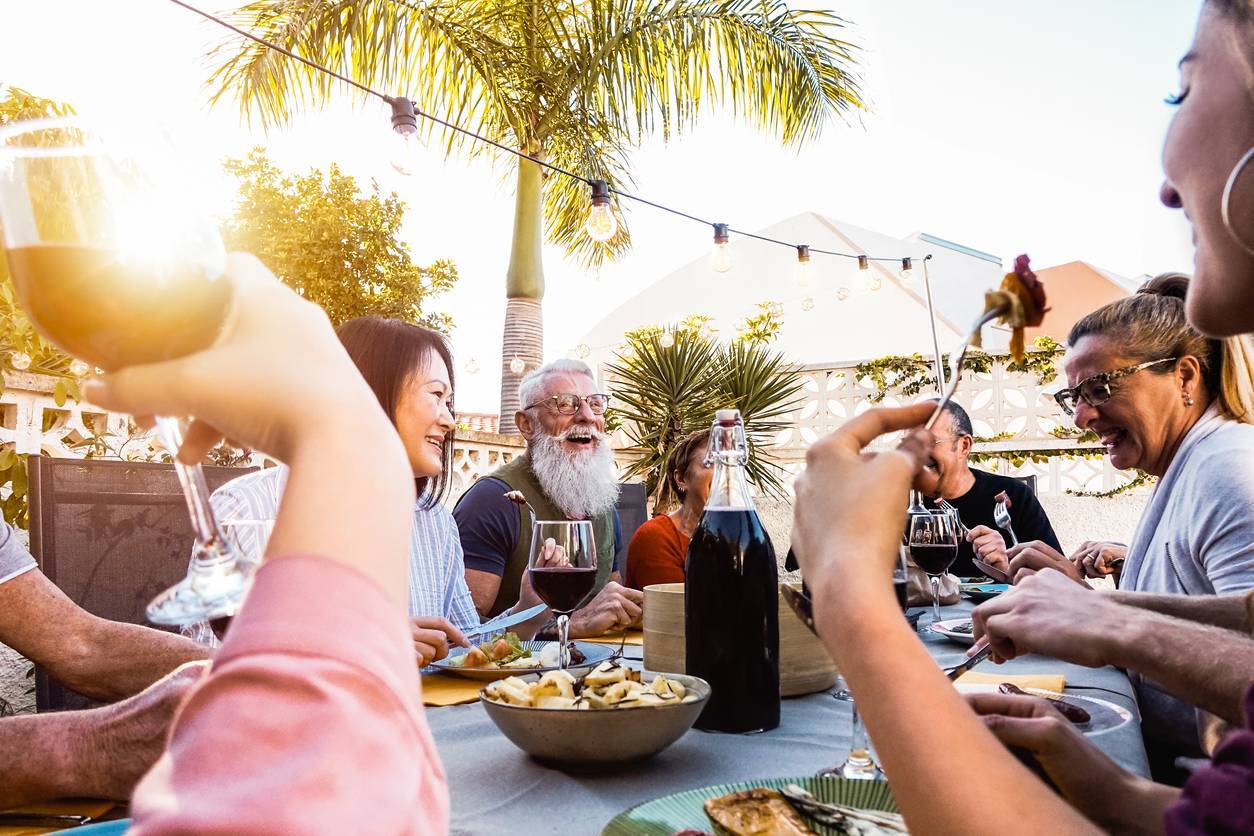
[497, 789]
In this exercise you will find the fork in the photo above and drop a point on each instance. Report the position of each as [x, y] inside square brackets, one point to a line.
[1001, 516]
[945, 506]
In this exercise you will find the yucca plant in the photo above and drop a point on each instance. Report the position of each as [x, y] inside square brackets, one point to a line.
[665, 389]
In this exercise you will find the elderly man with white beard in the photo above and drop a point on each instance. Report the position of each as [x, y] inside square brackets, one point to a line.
[568, 472]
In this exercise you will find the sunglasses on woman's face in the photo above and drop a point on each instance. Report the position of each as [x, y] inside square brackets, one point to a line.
[1096, 390]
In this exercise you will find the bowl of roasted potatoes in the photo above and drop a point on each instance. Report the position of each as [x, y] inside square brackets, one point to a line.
[611, 714]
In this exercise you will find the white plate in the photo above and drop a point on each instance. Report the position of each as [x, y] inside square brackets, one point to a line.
[1104, 716]
[946, 629]
[595, 654]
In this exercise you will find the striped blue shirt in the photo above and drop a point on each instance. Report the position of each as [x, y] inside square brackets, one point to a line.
[437, 574]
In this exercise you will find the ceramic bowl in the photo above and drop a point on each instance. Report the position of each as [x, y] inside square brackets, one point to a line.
[601, 737]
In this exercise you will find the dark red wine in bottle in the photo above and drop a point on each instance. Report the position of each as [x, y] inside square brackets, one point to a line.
[563, 587]
[731, 596]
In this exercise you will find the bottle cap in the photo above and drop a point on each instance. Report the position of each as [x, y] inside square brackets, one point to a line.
[727, 417]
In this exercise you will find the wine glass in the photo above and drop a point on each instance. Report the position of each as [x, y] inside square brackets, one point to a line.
[563, 569]
[249, 537]
[114, 262]
[860, 762]
[933, 542]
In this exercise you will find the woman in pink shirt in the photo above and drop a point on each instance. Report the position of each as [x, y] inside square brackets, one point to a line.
[311, 717]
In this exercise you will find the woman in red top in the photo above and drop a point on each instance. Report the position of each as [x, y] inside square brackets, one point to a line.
[656, 554]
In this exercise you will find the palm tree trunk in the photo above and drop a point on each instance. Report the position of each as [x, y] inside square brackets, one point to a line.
[524, 291]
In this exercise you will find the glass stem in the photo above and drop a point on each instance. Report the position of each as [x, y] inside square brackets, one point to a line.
[936, 613]
[858, 753]
[195, 491]
[563, 637]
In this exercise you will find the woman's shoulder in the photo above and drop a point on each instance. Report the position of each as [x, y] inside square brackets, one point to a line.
[659, 529]
[1231, 441]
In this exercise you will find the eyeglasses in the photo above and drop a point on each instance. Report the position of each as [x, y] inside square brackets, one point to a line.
[1095, 390]
[567, 404]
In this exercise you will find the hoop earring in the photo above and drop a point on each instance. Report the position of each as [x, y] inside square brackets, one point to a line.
[1224, 202]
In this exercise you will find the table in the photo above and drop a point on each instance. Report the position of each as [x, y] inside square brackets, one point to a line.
[497, 789]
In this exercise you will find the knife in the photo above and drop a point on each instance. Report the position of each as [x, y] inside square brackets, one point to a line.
[505, 620]
[992, 571]
[800, 603]
[978, 654]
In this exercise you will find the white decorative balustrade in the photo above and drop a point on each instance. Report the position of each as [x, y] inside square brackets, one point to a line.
[1011, 407]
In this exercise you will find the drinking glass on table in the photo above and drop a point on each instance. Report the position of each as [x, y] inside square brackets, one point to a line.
[563, 569]
[932, 538]
[113, 260]
[860, 763]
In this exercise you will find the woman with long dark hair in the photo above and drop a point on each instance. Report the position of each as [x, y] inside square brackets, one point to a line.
[410, 370]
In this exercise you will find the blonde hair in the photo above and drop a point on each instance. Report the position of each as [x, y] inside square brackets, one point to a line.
[1151, 325]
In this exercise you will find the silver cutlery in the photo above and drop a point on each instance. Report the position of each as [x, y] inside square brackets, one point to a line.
[1001, 516]
[836, 815]
[504, 620]
[946, 506]
[978, 654]
[955, 373]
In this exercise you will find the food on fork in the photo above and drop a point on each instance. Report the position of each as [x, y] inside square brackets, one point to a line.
[1022, 296]
[1003, 497]
[756, 812]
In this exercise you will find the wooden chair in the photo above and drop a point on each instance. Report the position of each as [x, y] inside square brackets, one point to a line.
[111, 535]
[633, 510]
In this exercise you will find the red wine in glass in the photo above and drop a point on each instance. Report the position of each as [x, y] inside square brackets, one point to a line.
[900, 588]
[934, 559]
[563, 587]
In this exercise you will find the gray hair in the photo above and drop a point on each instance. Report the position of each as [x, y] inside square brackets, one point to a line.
[532, 388]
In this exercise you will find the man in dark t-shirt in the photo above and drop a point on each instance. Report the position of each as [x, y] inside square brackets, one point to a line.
[973, 492]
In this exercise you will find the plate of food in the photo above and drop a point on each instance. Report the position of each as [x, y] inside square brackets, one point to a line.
[612, 714]
[980, 592]
[506, 655]
[793, 806]
[959, 630]
[1089, 715]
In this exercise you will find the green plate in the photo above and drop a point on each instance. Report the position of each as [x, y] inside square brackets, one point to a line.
[664, 816]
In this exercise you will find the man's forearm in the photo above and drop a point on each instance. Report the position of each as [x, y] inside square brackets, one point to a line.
[1227, 611]
[118, 660]
[40, 757]
[1208, 666]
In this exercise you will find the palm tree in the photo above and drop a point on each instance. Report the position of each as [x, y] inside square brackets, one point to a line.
[575, 83]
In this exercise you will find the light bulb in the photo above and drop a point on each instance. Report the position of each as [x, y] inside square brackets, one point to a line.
[803, 266]
[472, 366]
[78, 368]
[405, 142]
[706, 332]
[876, 284]
[722, 259]
[517, 365]
[907, 271]
[20, 360]
[842, 293]
[405, 151]
[583, 350]
[807, 304]
[601, 224]
[666, 340]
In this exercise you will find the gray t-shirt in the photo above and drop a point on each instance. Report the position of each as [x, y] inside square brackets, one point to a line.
[14, 558]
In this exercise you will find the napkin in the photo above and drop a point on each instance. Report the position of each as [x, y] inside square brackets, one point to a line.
[443, 689]
[73, 807]
[635, 638]
[1044, 681]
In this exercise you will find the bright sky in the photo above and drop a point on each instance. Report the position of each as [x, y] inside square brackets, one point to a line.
[1005, 125]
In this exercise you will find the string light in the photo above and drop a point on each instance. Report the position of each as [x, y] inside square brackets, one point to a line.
[722, 259]
[842, 293]
[78, 368]
[907, 271]
[601, 224]
[583, 351]
[472, 366]
[405, 141]
[807, 304]
[19, 360]
[803, 266]
[517, 365]
[666, 339]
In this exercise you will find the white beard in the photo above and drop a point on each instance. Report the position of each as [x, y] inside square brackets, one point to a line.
[584, 485]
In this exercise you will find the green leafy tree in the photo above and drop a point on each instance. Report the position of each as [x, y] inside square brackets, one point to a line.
[332, 244]
[665, 389]
[578, 83]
